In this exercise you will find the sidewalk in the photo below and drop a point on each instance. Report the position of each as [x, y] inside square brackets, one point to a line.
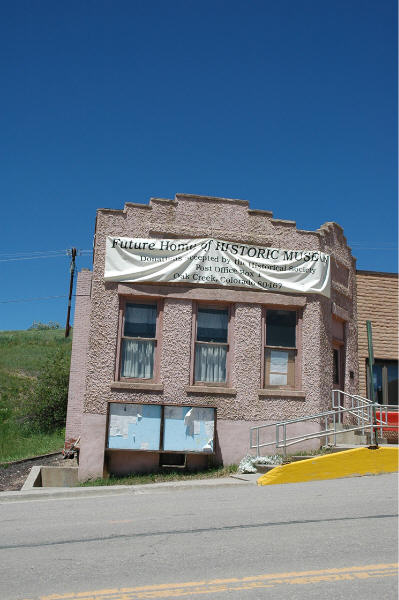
[148, 488]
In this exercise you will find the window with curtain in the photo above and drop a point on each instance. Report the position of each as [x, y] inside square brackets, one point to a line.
[280, 348]
[139, 341]
[211, 345]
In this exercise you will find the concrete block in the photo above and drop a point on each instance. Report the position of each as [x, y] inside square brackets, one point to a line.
[263, 468]
[59, 476]
[34, 479]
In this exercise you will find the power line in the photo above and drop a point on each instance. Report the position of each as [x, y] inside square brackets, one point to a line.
[32, 299]
[9, 257]
[367, 242]
[359, 248]
[33, 253]
[28, 258]
[61, 251]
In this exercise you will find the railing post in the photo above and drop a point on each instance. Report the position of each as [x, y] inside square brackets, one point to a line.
[257, 442]
[285, 440]
[326, 427]
[356, 411]
[335, 429]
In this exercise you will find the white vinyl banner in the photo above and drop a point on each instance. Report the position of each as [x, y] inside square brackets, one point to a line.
[215, 262]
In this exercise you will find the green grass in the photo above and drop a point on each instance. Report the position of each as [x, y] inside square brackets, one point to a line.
[315, 452]
[22, 355]
[25, 352]
[163, 476]
[16, 442]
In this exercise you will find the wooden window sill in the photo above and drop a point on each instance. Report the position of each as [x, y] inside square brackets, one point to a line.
[207, 389]
[272, 393]
[132, 385]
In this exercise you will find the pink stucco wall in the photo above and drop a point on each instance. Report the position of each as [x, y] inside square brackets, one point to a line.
[191, 216]
[77, 376]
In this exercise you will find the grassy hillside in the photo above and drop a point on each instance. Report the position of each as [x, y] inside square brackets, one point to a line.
[23, 356]
[25, 352]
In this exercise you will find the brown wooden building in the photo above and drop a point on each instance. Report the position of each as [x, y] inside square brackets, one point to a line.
[377, 301]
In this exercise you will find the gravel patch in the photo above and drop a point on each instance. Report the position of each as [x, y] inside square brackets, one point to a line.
[13, 475]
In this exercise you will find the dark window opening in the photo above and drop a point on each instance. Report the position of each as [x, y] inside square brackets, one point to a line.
[385, 381]
[280, 328]
[336, 367]
[172, 460]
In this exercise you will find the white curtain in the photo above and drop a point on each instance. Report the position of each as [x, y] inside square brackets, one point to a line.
[138, 359]
[210, 363]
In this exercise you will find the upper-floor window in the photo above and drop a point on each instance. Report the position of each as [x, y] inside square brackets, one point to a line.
[280, 348]
[211, 345]
[139, 340]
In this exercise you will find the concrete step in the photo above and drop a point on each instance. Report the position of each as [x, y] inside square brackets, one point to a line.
[264, 468]
[355, 438]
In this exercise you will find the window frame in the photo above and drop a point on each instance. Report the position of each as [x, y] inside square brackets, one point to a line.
[383, 363]
[123, 302]
[293, 350]
[230, 313]
[338, 346]
[161, 449]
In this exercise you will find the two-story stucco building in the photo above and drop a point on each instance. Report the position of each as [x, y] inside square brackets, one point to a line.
[200, 319]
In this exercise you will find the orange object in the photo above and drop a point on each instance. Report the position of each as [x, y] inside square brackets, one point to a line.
[392, 419]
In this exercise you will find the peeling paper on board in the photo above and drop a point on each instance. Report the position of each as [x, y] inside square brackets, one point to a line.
[174, 412]
[187, 418]
[209, 429]
[197, 427]
[208, 446]
[114, 431]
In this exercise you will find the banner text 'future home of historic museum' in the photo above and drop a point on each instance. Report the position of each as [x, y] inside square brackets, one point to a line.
[216, 262]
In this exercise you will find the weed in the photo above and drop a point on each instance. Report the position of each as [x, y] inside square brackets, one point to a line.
[162, 476]
[16, 441]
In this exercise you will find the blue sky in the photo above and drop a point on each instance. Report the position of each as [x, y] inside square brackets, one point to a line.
[291, 105]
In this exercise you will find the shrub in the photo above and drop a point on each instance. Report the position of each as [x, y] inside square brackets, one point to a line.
[46, 407]
[44, 326]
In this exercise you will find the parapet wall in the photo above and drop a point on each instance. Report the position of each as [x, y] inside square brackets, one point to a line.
[190, 216]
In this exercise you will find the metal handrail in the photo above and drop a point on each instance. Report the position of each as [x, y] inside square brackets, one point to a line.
[362, 409]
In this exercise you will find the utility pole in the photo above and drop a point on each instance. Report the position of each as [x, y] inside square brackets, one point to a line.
[72, 254]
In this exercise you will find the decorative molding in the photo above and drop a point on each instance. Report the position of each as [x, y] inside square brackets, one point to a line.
[204, 389]
[125, 385]
[286, 394]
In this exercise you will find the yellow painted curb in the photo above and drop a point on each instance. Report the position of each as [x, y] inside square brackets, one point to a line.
[359, 461]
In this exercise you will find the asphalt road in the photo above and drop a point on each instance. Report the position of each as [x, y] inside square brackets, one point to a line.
[331, 539]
